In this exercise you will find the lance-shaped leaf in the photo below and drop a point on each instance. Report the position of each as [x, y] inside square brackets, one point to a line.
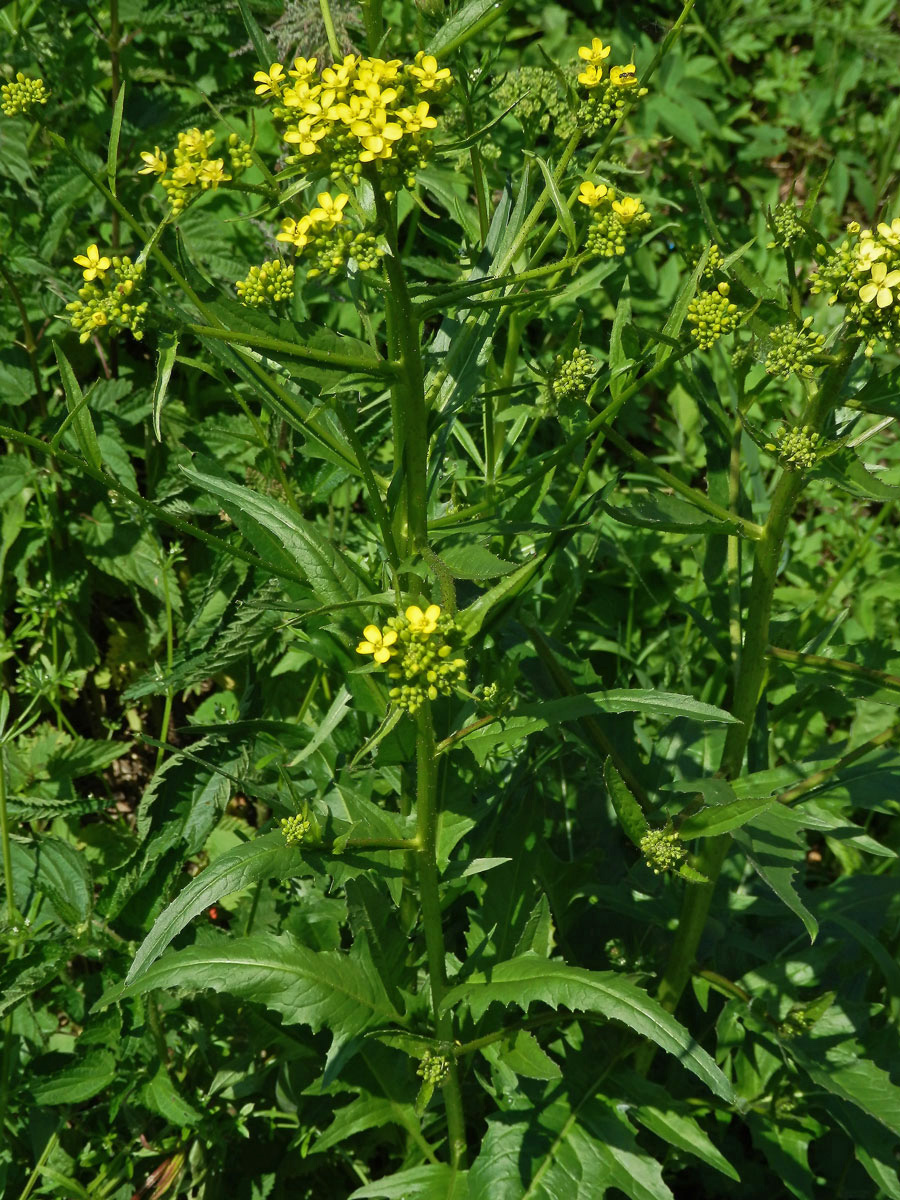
[629, 812]
[530, 978]
[307, 987]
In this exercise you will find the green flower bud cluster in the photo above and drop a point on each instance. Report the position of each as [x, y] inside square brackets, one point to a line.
[240, 154]
[662, 849]
[538, 105]
[785, 225]
[715, 261]
[712, 315]
[108, 302]
[604, 105]
[795, 1024]
[614, 219]
[427, 663]
[570, 379]
[433, 1068]
[864, 275]
[333, 249]
[295, 829]
[272, 283]
[22, 94]
[797, 448]
[794, 351]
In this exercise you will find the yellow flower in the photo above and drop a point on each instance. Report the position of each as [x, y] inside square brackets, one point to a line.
[338, 77]
[195, 142]
[212, 173]
[890, 233]
[423, 622]
[591, 195]
[378, 644]
[304, 68]
[155, 163]
[270, 81]
[95, 265]
[330, 212]
[879, 289]
[302, 96]
[623, 77]
[627, 208]
[295, 232]
[417, 118]
[591, 76]
[595, 53]
[867, 252]
[376, 135]
[305, 134]
[427, 73]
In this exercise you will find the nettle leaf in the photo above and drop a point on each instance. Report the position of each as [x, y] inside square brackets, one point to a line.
[282, 536]
[307, 987]
[772, 843]
[530, 978]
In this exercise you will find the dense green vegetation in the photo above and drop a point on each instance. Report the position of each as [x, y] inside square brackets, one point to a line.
[449, 575]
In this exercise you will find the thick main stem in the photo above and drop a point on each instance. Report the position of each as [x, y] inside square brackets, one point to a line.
[429, 897]
[748, 688]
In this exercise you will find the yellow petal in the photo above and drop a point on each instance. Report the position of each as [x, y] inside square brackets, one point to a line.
[373, 634]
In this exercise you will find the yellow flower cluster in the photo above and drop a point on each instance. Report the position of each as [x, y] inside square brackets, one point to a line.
[322, 234]
[107, 302]
[419, 651]
[193, 168]
[614, 219]
[22, 94]
[864, 273]
[605, 97]
[359, 113]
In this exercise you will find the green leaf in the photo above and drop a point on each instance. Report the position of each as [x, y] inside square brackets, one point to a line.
[660, 510]
[161, 1097]
[265, 51]
[316, 988]
[772, 845]
[471, 19]
[563, 212]
[490, 603]
[281, 535]
[521, 1053]
[79, 412]
[860, 1081]
[61, 873]
[85, 1078]
[436, 1181]
[629, 812]
[530, 978]
[168, 349]
[366, 1112]
[619, 362]
[723, 818]
[266, 857]
[21, 977]
[851, 475]
[112, 153]
[473, 560]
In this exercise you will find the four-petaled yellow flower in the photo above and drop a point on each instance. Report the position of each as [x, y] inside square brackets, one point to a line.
[891, 233]
[155, 163]
[330, 212]
[417, 118]
[270, 81]
[304, 68]
[879, 289]
[591, 194]
[623, 77]
[295, 232]
[378, 644]
[423, 622]
[591, 76]
[868, 251]
[95, 265]
[212, 173]
[627, 208]
[595, 52]
[427, 73]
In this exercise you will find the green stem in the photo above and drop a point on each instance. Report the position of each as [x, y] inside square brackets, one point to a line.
[170, 657]
[819, 777]
[751, 676]
[374, 24]
[429, 897]
[327, 358]
[328, 22]
[39, 1166]
[4, 839]
[838, 666]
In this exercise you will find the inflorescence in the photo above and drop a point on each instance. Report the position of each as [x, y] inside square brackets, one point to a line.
[712, 315]
[295, 829]
[269, 284]
[420, 651]
[322, 235]
[663, 850]
[570, 379]
[604, 98]
[193, 168]
[433, 1068]
[357, 116]
[864, 274]
[108, 301]
[797, 448]
[614, 219]
[22, 94]
[795, 350]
